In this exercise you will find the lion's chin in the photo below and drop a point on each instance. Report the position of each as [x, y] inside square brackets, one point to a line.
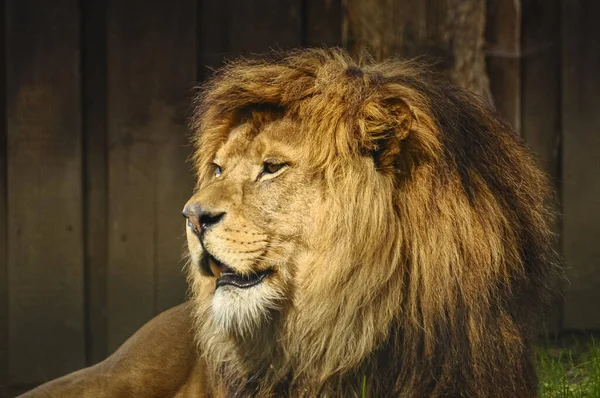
[242, 311]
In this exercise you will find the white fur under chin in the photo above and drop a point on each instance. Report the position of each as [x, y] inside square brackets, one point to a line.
[243, 311]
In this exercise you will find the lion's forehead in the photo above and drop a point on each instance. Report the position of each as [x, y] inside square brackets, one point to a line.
[245, 143]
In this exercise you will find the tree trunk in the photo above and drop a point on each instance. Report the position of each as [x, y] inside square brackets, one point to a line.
[448, 33]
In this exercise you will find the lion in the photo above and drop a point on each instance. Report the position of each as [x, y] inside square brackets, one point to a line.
[356, 227]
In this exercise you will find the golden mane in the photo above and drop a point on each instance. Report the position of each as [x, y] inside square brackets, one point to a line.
[435, 265]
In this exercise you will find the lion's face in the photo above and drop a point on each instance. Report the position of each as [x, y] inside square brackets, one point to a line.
[250, 217]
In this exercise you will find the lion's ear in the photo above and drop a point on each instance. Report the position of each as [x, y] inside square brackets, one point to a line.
[388, 128]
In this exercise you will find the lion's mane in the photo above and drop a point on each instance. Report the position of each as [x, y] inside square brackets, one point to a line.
[434, 265]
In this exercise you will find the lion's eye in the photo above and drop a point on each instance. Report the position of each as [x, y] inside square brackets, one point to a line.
[218, 170]
[272, 168]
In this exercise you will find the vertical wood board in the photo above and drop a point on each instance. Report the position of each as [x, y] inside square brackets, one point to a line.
[3, 215]
[257, 26]
[503, 36]
[213, 36]
[95, 175]
[581, 162]
[322, 21]
[540, 102]
[45, 247]
[151, 70]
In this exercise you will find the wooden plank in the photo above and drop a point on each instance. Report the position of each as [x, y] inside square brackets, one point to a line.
[581, 162]
[45, 247]
[322, 21]
[174, 180]
[213, 36]
[541, 81]
[151, 69]
[3, 215]
[504, 39]
[228, 28]
[95, 175]
[540, 102]
[256, 26]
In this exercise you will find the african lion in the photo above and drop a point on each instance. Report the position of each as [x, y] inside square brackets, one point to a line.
[354, 225]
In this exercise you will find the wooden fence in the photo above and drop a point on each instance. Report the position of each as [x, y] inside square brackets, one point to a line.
[93, 142]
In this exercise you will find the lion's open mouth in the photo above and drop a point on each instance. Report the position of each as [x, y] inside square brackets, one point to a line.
[227, 276]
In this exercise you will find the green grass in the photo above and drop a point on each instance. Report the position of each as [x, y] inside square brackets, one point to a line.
[364, 387]
[569, 370]
[566, 369]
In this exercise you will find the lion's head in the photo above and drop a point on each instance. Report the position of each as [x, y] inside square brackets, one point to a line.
[357, 221]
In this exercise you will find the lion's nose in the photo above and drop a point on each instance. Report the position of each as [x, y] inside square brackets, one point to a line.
[201, 218]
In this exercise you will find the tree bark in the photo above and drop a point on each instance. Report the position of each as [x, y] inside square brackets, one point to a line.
[448, 33]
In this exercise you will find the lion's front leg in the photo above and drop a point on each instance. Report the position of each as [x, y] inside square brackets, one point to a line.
[159, 360]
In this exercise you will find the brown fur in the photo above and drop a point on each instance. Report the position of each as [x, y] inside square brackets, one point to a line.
[408, 238]
[159, 361]
[429, 258]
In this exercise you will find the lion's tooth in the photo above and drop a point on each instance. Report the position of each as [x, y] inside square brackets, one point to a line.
[216, 270]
